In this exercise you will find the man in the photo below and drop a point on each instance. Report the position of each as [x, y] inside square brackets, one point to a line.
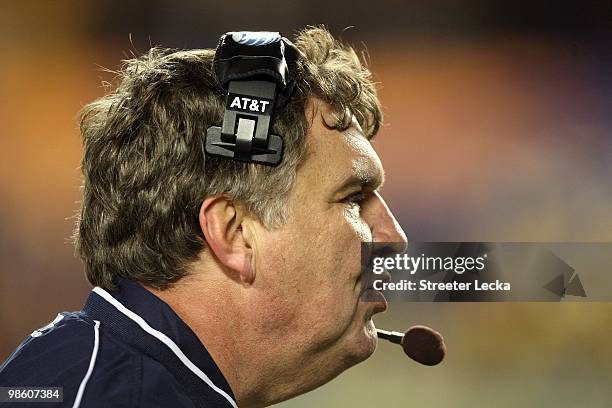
[217, 282]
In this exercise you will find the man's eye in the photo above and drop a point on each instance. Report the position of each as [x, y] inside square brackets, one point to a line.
[355, 199]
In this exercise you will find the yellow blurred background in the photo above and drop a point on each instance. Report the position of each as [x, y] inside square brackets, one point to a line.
[498, 128]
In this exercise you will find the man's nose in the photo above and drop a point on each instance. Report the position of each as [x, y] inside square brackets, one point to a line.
[385, 227]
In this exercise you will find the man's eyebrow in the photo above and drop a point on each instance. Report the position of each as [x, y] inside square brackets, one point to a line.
[364, 179]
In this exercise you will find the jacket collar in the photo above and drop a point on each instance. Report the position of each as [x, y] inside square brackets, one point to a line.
[145, 322]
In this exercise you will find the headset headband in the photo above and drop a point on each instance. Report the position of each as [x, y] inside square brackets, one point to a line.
[257, 70]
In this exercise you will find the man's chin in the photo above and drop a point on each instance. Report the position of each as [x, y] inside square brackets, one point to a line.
[360, 340]
[362, 344]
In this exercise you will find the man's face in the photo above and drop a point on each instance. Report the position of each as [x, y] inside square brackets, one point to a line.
[311, 266]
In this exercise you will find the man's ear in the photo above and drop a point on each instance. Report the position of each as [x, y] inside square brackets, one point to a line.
[221, 220]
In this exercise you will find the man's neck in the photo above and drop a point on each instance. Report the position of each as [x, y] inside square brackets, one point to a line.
[214, 315]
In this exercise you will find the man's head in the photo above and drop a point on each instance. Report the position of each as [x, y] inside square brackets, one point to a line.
[273, 252]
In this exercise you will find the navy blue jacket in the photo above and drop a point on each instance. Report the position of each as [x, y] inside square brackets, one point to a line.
[124, 349]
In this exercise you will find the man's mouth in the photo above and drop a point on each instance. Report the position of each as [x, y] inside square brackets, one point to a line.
[370, 295]
[376, 299]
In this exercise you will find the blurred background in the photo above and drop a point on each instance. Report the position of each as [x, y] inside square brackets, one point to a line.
[498, 128]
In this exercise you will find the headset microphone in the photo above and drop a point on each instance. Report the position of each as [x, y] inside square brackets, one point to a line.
[420, 343]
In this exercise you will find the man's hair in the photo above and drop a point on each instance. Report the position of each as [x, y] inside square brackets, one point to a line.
[145, 174]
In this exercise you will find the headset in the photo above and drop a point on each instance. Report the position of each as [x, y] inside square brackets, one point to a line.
[257, 70]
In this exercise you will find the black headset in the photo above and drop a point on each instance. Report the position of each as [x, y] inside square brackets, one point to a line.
[258, 72]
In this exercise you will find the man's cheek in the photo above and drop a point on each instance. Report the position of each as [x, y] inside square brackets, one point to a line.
[360, 228]
[279, 311]
[359, 232]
